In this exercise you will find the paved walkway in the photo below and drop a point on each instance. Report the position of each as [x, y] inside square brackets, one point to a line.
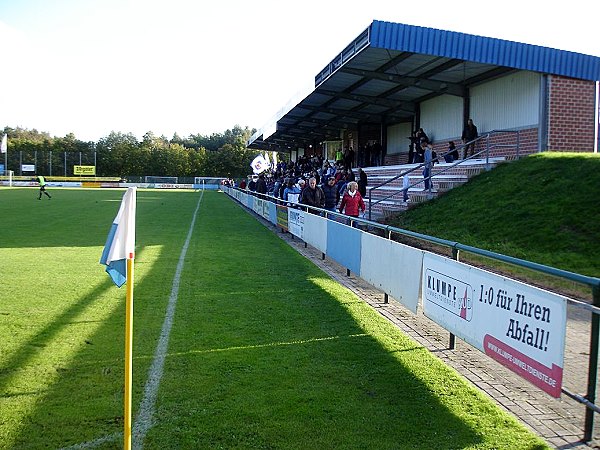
[559, 421]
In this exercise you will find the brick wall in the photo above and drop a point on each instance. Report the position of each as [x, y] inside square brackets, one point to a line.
[571, 114]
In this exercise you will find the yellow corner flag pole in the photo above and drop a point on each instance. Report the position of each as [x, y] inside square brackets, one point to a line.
[128, 352]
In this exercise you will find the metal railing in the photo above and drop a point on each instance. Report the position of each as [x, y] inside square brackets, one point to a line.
[589, 399]
[486, 150]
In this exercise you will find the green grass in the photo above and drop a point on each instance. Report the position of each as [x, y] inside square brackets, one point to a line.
[542, 208]
[266, 351]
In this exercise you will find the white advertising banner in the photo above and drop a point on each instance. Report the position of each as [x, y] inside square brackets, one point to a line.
[392, 267]
[296, 222]
[171, 186]
[520, 326]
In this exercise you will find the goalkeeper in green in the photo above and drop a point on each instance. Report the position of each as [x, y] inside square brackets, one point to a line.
[42, 181]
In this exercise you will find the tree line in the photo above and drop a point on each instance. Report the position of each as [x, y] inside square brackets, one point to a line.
[122, 155]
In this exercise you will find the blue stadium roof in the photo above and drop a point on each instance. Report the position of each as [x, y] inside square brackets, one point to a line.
[450, 44]
[389, 68]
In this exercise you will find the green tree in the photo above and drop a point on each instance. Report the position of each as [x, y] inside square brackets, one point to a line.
[113, 152]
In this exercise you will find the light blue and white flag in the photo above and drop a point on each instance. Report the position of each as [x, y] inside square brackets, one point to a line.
[120, 244]
[4, 145]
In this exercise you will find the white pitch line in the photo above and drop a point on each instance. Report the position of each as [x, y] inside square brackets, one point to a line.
[144, 420]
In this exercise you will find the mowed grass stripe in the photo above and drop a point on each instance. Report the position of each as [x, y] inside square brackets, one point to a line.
[268, 352]
[62, 320]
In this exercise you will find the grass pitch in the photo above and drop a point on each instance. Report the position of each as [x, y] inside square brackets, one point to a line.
[265, 352]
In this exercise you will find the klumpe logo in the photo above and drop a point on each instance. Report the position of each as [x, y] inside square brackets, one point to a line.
[449, 293]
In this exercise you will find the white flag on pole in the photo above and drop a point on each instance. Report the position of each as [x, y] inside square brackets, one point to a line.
[260, 164]
[4, 145]
[120, 244]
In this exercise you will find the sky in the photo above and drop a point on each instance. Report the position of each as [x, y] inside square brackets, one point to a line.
[90, 67]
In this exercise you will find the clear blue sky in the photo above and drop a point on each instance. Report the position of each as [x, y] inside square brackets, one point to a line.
[191, 66]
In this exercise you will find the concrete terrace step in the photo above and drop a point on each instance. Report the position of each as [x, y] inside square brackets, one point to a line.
[445, 182]
[441, 182]
[462, 168]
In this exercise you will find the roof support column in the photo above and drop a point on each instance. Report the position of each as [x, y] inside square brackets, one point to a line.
[466, 107]
[544, 118]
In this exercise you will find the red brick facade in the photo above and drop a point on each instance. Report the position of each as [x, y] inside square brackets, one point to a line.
[571, 114]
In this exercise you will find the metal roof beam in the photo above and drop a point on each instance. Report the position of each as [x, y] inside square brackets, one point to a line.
[369, 99]
[356, 114]
[324, 122]
[406, 81]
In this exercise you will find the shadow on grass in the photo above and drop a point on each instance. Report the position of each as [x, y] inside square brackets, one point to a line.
[84, 400]
[44, 423]
[266, 360]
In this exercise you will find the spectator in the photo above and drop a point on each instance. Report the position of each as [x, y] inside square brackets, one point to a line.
[368, 152]
[350, 175]
[315, 174]
[405, 186]
[339, 156]
[421, 135]
[413, 142]
[452, 153]
[429, 160]
[332, 196]
[243, 184]
[282, 188]
[362, 182]
[252, 183]
[361, 155]
[349, 158]
[340, 175]
[261, 185]
[329, 170]
[313, 195]
[291, 193]
[301, 184]
[276, 186]
[376, 154]
[469, 134]
[352, 202]
[419, 150]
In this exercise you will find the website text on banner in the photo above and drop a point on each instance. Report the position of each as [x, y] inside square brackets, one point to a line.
[520, 326]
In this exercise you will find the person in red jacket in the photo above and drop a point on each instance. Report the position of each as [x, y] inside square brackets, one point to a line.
[352, 201]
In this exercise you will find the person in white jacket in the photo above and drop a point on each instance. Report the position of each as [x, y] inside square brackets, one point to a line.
[405, 185]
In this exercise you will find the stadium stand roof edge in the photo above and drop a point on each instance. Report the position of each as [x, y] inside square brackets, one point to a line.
[391, 67]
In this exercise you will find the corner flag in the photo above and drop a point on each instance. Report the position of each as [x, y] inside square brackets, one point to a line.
[120, 244]
[118, 257]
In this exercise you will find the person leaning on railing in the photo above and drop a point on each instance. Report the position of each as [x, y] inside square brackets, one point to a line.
[291, 192]
[313, 195]
[352, 202]
[332, 196]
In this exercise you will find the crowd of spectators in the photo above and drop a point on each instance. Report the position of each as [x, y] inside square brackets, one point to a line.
[311, 181]
[317, 182]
